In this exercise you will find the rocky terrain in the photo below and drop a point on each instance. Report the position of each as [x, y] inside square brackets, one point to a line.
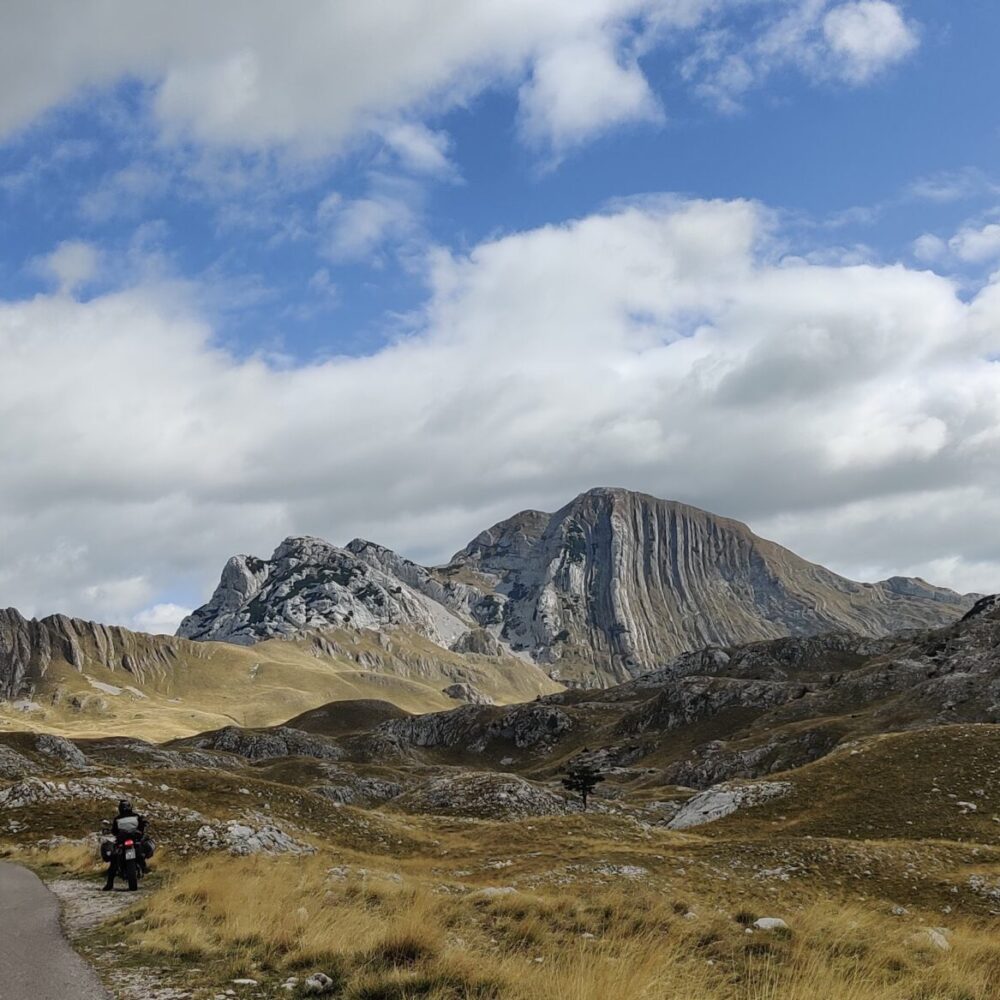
[28, 647]
[739, 797]
[609, 587]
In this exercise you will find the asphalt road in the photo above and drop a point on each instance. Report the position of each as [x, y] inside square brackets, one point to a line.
[36, 961]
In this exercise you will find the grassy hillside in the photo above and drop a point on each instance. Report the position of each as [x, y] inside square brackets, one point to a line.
[209, 685]
[888, 883]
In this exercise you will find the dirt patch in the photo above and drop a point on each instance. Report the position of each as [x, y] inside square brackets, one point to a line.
[85, 907]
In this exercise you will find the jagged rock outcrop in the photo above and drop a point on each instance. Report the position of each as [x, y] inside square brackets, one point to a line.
[310, 584]
[280, 741]
[357, 790]
[611, 586]
[536, 725]
[466, 693]
[29, 646]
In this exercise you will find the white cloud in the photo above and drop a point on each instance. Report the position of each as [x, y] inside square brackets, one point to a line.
[244, 74]
[354, 229]
[848, 43]
[929, 248]
[657, 346]
[580, 89]
[975, 245]
[868, 36]
[160, 619]
[72, 264]
[421, 149]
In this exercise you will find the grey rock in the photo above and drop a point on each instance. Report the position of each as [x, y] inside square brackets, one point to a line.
[280, 741]
[61, 749]
[613, 585]
[467, 693]
[309, 584]
[28, 647]
[14, 765]
[482, 795]
[725, 799]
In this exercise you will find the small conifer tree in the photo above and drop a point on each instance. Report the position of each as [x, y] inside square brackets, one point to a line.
[582, 778]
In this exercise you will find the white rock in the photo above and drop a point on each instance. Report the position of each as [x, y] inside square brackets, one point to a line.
[494, 891]
[936, 937]
[721, 800]
[770, 924]
[318, 983]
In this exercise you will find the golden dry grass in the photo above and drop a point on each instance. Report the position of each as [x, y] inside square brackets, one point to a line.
[382, 939]
[215, 684]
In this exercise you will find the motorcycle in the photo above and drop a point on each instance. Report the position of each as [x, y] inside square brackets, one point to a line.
[125, 854]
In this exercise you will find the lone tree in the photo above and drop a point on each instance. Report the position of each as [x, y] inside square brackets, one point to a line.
[582, 778]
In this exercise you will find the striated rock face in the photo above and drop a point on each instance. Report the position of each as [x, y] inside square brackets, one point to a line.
[618, 582]
[28, 647]
[612, 586]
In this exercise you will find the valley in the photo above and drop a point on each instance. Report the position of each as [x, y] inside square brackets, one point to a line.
[373, 809]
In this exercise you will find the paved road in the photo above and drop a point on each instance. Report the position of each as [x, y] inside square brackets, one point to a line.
[36, 962]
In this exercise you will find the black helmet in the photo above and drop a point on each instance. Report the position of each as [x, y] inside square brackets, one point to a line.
[124, 807]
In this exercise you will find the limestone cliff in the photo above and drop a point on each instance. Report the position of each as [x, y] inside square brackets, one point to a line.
[617, 582]
[611, 586]
[28, 647]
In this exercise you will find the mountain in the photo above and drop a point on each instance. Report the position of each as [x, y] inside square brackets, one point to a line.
[719, 714]
[65, 675]
[607, 588]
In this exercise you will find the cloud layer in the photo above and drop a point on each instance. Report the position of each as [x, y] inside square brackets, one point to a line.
[244, 73]
[664, 345]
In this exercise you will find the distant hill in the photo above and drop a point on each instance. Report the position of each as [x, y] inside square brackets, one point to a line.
[607, 588]
[75, 677]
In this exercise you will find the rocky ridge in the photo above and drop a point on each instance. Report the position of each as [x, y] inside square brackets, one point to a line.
[611, 586]
[28, 647]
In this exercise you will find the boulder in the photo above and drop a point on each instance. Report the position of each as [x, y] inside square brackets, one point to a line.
[722, 800]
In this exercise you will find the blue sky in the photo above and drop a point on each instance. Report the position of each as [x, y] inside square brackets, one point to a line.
[259, 202]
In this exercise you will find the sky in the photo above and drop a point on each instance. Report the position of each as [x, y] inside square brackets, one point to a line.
[399, 269]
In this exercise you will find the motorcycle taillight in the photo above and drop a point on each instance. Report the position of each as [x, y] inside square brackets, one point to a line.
[128, 843]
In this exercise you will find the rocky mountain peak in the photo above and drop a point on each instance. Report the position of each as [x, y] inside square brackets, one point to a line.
[610, 586]
[307, 584]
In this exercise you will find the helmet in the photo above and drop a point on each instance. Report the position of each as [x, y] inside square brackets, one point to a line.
[124, 807]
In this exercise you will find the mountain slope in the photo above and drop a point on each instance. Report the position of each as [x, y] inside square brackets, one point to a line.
[617, 582]
[607, 588]
[75, 677]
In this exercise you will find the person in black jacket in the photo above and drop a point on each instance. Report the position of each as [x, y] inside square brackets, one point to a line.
[127, 825]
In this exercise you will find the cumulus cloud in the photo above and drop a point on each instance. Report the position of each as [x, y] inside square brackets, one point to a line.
[247, 74]
[580, 89]
[974, 243]
[244, 74]
[868, 36]
[848, 43]
[659, 345]
[73, 263]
